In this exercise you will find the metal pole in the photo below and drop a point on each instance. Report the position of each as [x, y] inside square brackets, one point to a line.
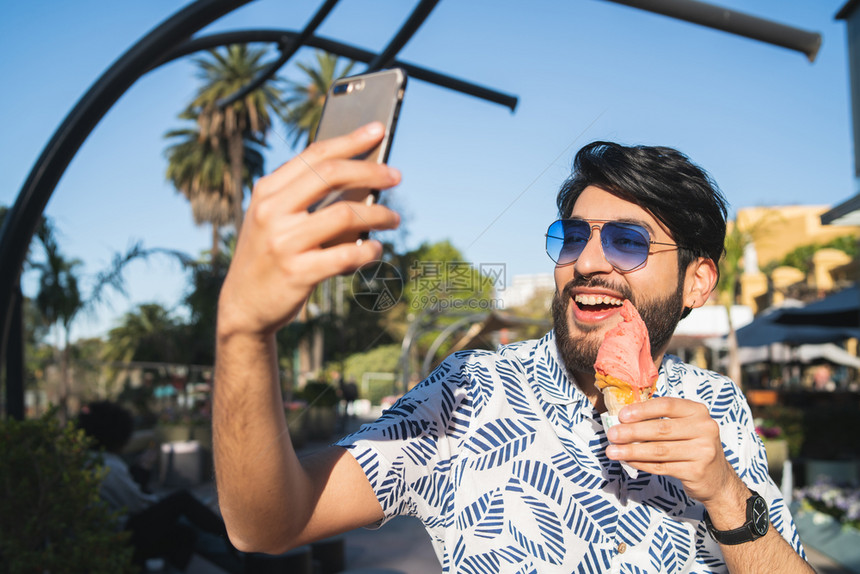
[15, 359]
[733, 22]
[419, 14]
[340, 49]
[287, 51]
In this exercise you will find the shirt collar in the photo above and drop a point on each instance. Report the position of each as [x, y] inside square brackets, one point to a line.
[550, 375]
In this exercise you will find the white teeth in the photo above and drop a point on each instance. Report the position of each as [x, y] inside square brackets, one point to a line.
[596, 300]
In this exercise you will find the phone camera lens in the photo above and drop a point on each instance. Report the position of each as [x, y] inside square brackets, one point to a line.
[340, 89]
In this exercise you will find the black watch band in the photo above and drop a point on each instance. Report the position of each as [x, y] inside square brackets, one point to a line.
[756, 525]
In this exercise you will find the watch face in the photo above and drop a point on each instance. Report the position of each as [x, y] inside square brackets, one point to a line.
[760, 518]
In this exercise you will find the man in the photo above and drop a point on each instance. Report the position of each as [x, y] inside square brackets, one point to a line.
[502, 455]
[160, 526]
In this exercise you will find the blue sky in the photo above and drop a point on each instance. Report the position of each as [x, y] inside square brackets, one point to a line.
[770, 127]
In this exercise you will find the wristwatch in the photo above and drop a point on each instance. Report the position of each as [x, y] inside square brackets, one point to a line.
[758, 520]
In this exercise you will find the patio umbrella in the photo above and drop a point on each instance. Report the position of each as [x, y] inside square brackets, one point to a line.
[766, 329]
[840, 309]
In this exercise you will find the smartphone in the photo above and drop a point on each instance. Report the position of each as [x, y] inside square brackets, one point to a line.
[351, 103]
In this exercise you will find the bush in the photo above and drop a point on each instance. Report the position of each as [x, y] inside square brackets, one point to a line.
[318, 394]
[52, 517]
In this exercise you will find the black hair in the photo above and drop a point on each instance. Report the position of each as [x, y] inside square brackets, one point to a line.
[108, 423]
[664, 182]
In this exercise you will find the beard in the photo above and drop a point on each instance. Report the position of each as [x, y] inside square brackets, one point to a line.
[579, 352]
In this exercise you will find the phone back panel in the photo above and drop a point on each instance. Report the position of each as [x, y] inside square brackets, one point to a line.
[371, 97]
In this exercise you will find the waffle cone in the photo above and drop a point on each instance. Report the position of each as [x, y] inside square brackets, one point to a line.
[618, 393]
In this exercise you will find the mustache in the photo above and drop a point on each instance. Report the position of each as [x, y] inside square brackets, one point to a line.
[593, 283]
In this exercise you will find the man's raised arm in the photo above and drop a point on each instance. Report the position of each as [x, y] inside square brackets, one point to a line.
[271, 500]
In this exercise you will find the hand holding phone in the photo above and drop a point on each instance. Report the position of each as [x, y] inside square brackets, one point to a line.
[351, 103]
[278, 260]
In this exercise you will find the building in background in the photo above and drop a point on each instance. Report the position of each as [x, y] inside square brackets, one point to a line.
[523, 289]
[779, 230]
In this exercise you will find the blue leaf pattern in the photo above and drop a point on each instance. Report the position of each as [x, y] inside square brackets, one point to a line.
[486, 515]
[547, 542]
[498, 442]
[503, 459]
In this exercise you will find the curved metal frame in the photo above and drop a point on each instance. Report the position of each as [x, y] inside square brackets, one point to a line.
[22, 219]
[166, 42]
[443, 336]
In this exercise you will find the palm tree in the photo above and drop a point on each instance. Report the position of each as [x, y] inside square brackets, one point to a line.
[225, 72]
[200, 171]
[305, 99]
[144, 334]
[149, 333]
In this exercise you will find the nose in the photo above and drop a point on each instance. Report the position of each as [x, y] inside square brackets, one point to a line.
[591, 260]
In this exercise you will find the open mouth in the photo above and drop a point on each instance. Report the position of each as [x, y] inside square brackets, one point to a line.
[596, 303]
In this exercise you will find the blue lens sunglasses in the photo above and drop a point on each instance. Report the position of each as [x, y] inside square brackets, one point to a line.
[625, 246]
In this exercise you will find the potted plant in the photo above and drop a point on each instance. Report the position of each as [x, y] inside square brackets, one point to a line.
[828, 519]
[775, 444]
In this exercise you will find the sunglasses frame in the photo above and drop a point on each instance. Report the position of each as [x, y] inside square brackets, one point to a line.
[591, 224]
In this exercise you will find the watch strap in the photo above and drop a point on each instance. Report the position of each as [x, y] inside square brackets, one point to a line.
[745, 533]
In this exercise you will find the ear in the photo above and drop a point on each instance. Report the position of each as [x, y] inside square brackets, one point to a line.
[699, 281]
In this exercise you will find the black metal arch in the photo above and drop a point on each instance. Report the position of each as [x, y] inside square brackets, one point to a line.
[166, 42]
[283, 37]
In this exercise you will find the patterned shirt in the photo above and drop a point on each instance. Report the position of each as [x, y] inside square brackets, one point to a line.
[502, 457]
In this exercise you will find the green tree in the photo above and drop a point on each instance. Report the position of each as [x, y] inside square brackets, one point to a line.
[440, 287]
[305, 99]
[224, 72]
[60, 299]
[85, 361]
[150, 333]
[378, 363]
[200, 171]
[207, 277]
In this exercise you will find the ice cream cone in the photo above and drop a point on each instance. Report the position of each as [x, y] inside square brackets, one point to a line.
[624, 369]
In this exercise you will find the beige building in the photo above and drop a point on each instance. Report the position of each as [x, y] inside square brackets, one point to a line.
[777, 231]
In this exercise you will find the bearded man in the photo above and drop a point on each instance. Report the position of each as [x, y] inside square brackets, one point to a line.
[502, 455]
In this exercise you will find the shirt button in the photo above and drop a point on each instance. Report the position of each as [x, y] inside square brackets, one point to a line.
[622, 548]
